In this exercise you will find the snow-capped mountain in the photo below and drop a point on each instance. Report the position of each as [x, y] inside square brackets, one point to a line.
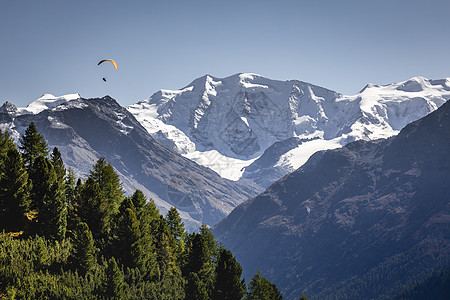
[230, 124]
[86, 129]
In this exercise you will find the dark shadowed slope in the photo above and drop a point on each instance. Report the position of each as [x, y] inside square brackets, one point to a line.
[359, 222]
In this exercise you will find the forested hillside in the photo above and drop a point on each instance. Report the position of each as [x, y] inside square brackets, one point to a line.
[68, 238]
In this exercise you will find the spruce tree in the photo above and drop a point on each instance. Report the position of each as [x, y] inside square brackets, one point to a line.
[109, 182]
[32, 145]
[70, 185]
[228, 283]
[128, 236]
[176, 227]
[148, 216]
[14, 192]
[210, 241]
[261, 288]
[91, 208]
[42, 177]
[53, 213]
[115, 285]
[83, 253]
[58, 164]
[199, 261]
[175, 223]
[139, 200]
[168, 272]
[196, 288]
[6, 143]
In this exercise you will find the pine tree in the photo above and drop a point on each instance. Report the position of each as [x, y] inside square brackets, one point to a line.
[70, 185]
[210, 241]
[58, 164]
[176, 227]
[91, 208]
[261, 288]
[228, 283]
[114, 281]
[32, 145]
[53, 213]
[109, 182]
[83, 255]
[175, 223]
[128, 236]
[14, 192]
[148, 216]
[199, 261]
[6, 143]
[168, 273]
[196, 288]
[42, 177]
[138, 200]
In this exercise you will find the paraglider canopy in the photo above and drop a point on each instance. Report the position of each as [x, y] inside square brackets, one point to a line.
[110, 60]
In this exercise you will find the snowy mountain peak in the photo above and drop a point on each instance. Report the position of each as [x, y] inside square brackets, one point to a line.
[8, 108]
[228, 123]
[47, 101]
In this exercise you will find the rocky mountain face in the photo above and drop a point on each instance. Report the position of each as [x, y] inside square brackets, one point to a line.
[87, 129]
[359, 222]
[229, 124]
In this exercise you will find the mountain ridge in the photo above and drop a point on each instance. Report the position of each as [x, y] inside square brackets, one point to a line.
[359, 222]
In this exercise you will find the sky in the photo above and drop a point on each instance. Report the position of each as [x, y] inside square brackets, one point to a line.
[53, 46]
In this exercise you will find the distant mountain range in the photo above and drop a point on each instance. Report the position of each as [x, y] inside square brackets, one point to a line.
[87, 129]
[244, 127]
[248, 126]
[365, 221]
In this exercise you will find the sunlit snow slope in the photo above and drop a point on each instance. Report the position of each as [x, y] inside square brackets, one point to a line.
[249, 126]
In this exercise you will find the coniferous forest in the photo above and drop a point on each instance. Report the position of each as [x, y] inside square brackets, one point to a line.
[68, 238]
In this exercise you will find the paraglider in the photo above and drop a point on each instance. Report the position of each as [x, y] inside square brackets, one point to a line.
[111, 61]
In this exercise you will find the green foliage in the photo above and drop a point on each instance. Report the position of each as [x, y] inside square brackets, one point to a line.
[128, 236]
[115, 283]
[139, 200]
[14, 192]
[47, 199]
[70, 185]
[210, 241]
[91, 208]
[175, 223]
[176, 227]
[115, 247]
[200, 263]
[53, 213]
[6, 143]
[228, 283]
[32, 145]
[108, 181]
[42, 176]
[58, 164]
[262, 289]
[83, 255]
[196, 288]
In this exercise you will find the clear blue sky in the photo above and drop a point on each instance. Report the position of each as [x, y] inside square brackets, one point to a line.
[54, 46]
